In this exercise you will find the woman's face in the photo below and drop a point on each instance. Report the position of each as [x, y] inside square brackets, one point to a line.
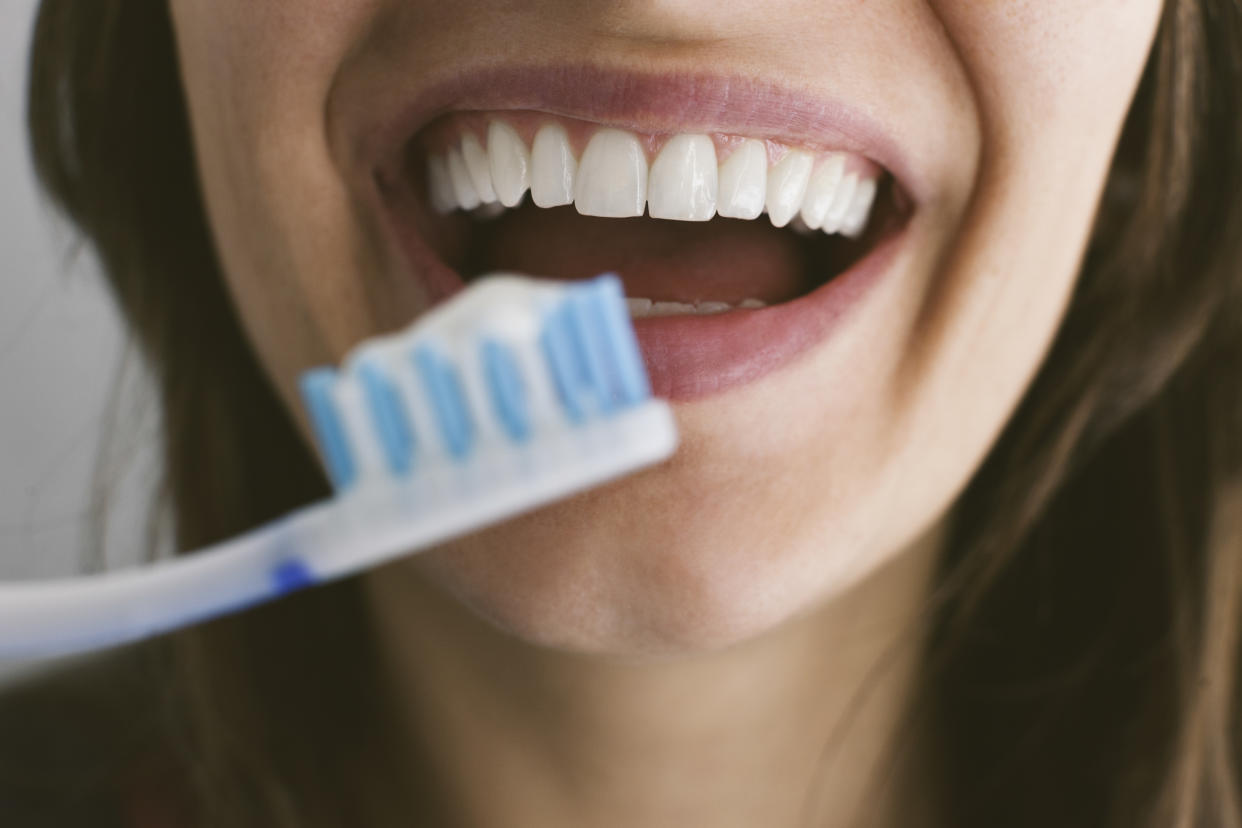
[821, 435]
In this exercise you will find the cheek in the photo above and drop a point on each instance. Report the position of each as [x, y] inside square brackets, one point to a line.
[1053, 80]
[1039, 62]
[1050, 103]
[257, 76]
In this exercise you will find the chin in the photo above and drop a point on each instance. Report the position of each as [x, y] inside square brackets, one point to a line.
[697, 555]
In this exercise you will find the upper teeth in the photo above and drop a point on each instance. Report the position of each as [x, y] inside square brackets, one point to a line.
[684, 182]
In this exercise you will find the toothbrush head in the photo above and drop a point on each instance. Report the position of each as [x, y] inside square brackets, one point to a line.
[506, 366]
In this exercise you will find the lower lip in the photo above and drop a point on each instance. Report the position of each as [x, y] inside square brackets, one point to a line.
[689, 357]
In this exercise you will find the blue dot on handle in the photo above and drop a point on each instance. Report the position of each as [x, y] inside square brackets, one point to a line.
[291, 575]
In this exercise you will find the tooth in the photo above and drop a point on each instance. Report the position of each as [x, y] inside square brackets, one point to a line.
[682, 182]
[860, 210]
[743, 181]
[488, 211]
[840, 203]
[552, 168]
[478, 167]
[752, 304]
[712, 307]
[467, 197]
[509, 163]
[638, 306]
[821, 190]
[787, 185]
[670, 308]
[440, 185]
[797, 225]
[612, 176]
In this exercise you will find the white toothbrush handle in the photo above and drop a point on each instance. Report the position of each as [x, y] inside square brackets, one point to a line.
[325, 541]
[66, 615]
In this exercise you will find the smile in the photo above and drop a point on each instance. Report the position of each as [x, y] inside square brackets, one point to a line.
[741, 232]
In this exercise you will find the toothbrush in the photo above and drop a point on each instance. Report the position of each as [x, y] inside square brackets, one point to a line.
[512, 394]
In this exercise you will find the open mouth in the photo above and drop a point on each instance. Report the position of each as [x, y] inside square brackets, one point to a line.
[726, 244]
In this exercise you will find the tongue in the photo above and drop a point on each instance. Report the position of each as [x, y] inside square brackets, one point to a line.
[723, 260]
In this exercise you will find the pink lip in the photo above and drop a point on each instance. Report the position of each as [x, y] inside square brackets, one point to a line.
[644, 102]
[687, 357]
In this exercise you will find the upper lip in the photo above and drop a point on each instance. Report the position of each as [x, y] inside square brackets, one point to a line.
[374, 139]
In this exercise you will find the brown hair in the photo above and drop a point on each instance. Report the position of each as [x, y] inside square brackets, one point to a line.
[1083, 667]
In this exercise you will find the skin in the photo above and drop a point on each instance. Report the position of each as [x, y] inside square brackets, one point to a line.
[677, 648]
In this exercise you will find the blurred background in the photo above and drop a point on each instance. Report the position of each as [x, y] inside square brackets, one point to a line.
[70, 385]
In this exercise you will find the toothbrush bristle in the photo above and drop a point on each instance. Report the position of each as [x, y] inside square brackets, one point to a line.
[564, 362]
[443, 387]
[622, 345]
[429, 396]
[508, 392]
[389, 417]
[594, 359]
[317, 387]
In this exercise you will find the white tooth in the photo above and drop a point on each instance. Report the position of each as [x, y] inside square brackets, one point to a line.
[797, 225]
[509, 163]
[860, 210]
[670, 308]
[821, 190]
[744, 181]
[787, 185]
[752, 304]
[638, 306]
[488, 211]
[552, 168]
[840, 203]
[478, 167]
[612, 176]
[440, 185]
[712, 307]
[467, 197]
[682, 182]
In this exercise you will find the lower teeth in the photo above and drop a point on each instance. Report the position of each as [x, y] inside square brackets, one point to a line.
[645, 307]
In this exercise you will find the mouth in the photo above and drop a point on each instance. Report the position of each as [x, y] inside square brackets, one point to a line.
[741, 232]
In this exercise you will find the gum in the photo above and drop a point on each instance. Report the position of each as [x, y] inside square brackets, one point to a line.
[447, 131]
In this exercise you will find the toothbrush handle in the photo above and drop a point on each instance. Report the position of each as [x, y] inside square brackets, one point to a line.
[67, 615]
[326, 541]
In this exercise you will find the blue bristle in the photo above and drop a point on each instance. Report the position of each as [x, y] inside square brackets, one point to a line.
[291, 575]
[592, 349]
[615, 326]
[576, 355]
[504, 381]
[558, 350]
[389, 417]
[316, 386]
[596, 311]
[448, 402]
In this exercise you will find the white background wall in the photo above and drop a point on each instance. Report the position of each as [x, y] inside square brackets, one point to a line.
[61, 347]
